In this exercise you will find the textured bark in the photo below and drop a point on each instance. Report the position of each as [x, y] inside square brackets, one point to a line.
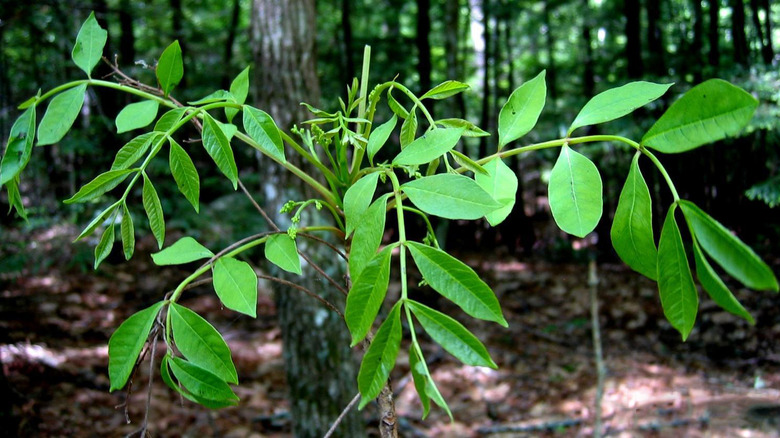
[738, 32]
[320, 367]
[633, 42]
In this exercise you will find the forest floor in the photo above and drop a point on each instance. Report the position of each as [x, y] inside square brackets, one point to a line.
[56, 317]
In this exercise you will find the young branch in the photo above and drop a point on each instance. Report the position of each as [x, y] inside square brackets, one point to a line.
[343, 414]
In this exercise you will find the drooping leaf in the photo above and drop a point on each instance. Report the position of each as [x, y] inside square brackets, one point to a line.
[428, 146]
[457, 282]
[420, 380]
[127, 230]
[101, 184]
[133, 150]
[218, 147]
[154, 211]
[263, 130]
[520, 113]
[217, 96]
[367, 294]
[368, 236]
[201, 343]
[165, 373]
[715, 288]
[379, 360]
[168, 120]
[184, 250]
[30, 102]
[445, 90]
[185, 174]
[617, 102]
[575, 193]
[235, 283]
[357, 199]
[501, 184]
[239, 88]
[450, 196]
[207, 389]
[89, 45]
[126, 343]
[379, 137]
[708, 112]
[408, 129]
[98, 220]
[469, 129]
[104, 246]
[60, 115]
[15, 198]
[136, 115]
[170, 68]
[632, 227]
[675, 282]
[396, 107]
[466, 162]
[452, 336]
[728, 250]
[281, 250]
[18, 149]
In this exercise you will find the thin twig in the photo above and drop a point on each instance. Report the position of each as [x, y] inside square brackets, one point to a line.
[342, 415]
[302, 289]
[143, 430]
[325, 242]
[257, 206]
[593, 282]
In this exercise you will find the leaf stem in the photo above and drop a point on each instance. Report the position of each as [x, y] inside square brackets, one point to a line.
[399, 209]
[662, 169]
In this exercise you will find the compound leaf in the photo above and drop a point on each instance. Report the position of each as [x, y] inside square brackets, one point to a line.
[575, 193]
[201, 343]
[450, 196]
[126, 343]
[101, 184]
[235, 283]
[60, 115]
[675, 282]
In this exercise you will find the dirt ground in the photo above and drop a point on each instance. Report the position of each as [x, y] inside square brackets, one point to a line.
[56, 317]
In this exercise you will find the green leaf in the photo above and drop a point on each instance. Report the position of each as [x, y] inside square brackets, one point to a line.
[133, 150]
[97, 221]
[185, 174]
[105, 245]
[60, 115]
[396, 107]
[235, 283]
[501, 184]
[452, 336]
[207, 389]
[707, 113]
[100, 185]
[617, 102]
[575, 193]
[675, 282]
[379, 137]
[716, 289]
[154, 211]
[280, 249]
[408, 129]
[218, 147]
[466, 162]
[136, 115]
[445, 90]
[368, 235]
[30, 102]
[217, 96]
[632, 227]
[520, 113]
[429, 146]
[263, 130]
[168, 120]
[239, 88]
[170, 68]
[201, 343]
[128, 233]
[89, 45]
[18, 149]
[420, 379]
[184, 250]
[379, 360]
[450, 196]
[126, 343]
[728, 250]
[469, 129]
[165, 373]
[357, 199]
[15, 198]
[457, 282]
[367, 294]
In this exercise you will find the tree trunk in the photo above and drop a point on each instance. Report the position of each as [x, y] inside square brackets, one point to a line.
[655, 40]
[633, 42]
[764, 40]
[451, 33]
[550, 40]
[423, 44]
[349, 57]
[227, 54]
[713, 35]
[319, 364]
[696, 42]
[738, 32]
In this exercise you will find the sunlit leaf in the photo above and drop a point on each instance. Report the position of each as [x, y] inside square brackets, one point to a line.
[456, 282]
[136, 115]
[379, 360]
[235, 283]
[408, 129]
[445, 90]
[281, 250]
[357, 199]
[428, 146]
[100, 185]
[239, 88]
[185, 174]
[715, 288]
[201, 343]
[126, 343]
[679, 298]
[520, 113]
[263, 130]
[574, 193]
[469, 129]
[154, 211]
[168, 120]
[708, 112]
[89, 45]
[367, 294]
[466, 162]
[60, 115]
[184, 250]
[379, 136]
[450, 196]
[501, 184]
